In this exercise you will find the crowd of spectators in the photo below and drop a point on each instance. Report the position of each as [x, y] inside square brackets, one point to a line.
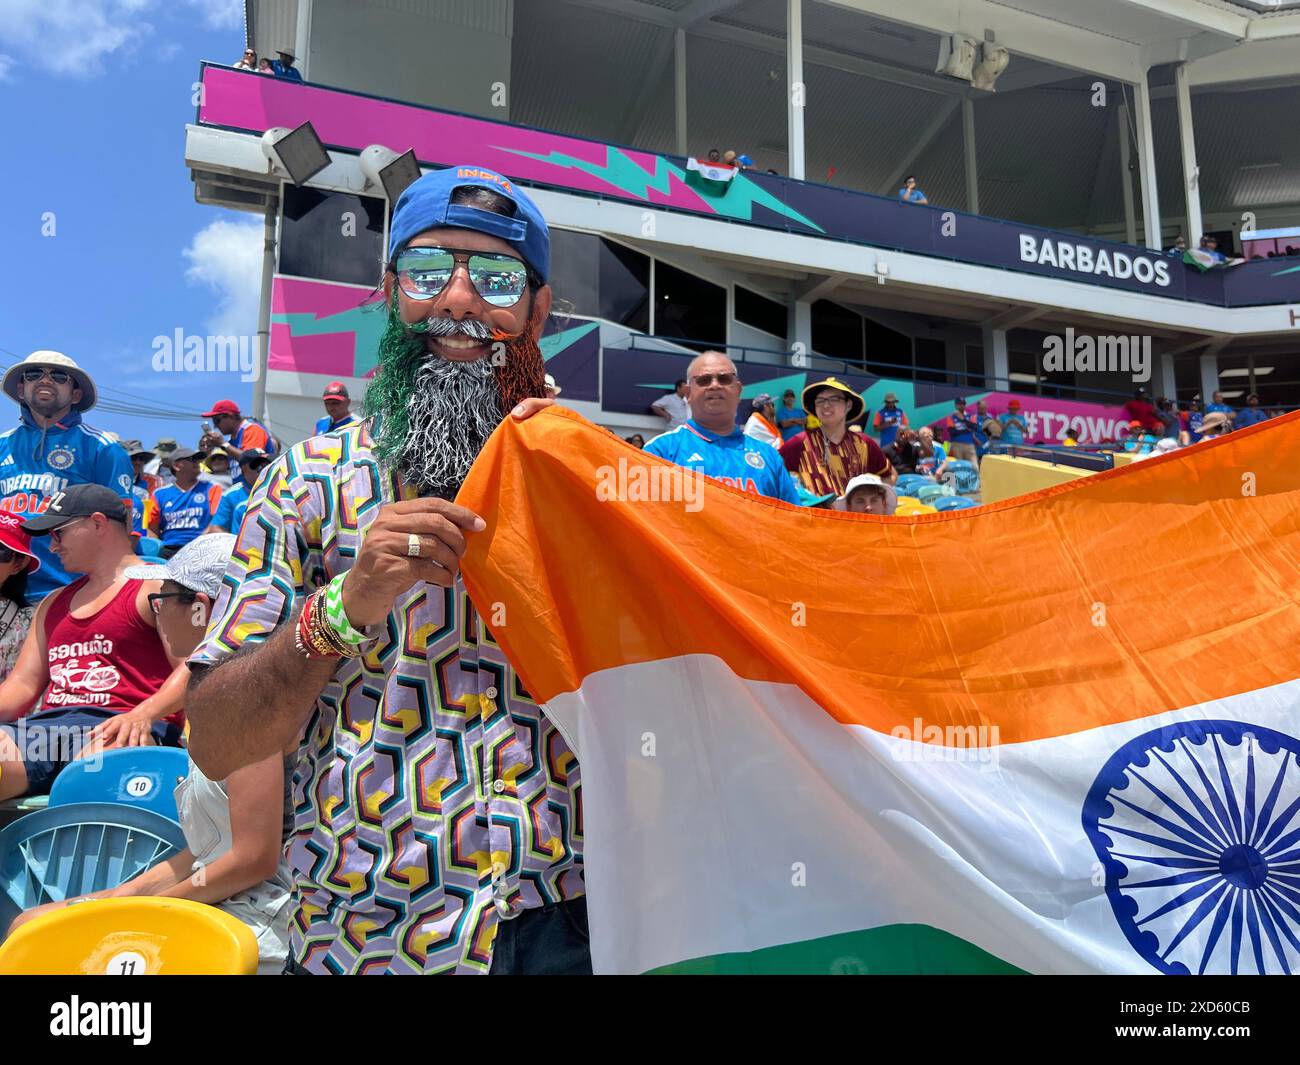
[825, 438]
[111, 557]
[280, 67]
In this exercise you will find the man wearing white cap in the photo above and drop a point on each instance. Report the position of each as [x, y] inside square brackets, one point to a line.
[52, 448]
[868, 494]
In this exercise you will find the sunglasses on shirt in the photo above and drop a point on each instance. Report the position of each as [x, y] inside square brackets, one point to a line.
[423, 273]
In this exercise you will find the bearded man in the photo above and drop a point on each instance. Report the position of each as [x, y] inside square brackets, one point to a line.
[437, 818]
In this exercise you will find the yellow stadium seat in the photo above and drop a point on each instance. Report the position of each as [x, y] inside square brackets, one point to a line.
[132, 937]
[909, 506]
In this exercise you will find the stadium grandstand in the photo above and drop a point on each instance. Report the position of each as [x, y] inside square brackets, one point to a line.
[1023, 273]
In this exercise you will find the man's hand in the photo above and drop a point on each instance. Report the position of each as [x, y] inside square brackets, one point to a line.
[528, 407]
[210, 440]
[134, 728]
[385, 568]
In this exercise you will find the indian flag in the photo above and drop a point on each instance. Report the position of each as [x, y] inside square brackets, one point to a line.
[1056, 734]
[713, 178]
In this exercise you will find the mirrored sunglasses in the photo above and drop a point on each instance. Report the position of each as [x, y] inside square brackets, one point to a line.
[422, 273]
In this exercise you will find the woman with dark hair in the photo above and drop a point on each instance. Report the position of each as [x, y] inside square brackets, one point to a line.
[16, 562]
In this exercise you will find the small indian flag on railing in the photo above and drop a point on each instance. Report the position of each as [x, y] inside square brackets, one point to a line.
[712, 178]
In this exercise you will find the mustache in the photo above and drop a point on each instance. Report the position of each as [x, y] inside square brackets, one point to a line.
[450, 327]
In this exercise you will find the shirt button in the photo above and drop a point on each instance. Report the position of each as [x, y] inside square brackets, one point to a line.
[499, 786]
[491, 693]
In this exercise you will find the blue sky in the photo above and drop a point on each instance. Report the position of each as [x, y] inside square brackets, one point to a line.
[96, 95]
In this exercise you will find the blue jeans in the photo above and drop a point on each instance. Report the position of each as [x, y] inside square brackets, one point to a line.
[549, 941]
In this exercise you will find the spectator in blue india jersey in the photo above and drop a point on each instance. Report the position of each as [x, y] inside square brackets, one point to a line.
[234, 500]
[889, 419]
[338, 409]
[710, 442]
[184, 510]
[52, 448]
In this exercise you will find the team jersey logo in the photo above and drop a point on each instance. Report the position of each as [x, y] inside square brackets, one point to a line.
[755, 459]
[695, 457]
[60, 458]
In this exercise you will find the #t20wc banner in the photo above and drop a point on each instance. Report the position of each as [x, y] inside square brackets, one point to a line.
[1055, 734]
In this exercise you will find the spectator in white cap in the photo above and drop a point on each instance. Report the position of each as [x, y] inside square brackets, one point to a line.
[552, 389]
[868, 494]
[235, 829]
[52, 449]
[761, 424]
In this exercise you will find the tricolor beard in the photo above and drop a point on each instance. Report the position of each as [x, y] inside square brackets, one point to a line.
[431, 416]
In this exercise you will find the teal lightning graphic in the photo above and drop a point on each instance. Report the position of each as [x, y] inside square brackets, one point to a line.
[624, 174]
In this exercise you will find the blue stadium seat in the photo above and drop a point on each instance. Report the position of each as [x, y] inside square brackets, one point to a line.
[908, 483]
[931, 493]
[965, 475]
[953, 503]
[138, 776]
[62, 851]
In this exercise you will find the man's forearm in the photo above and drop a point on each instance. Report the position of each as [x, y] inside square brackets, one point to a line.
[249, 707]
[169, 698]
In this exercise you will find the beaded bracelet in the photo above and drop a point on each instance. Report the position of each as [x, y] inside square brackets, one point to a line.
[314, 637]
[338, 618]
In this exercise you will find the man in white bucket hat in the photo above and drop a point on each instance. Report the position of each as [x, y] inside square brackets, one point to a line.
[52, 448]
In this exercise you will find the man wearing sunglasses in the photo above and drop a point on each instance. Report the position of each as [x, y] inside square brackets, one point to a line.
[234, 501]
[710, 441]
[437, 813]
[92, 655]
[52, 449]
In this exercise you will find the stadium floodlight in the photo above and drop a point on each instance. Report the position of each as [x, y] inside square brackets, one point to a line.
[383, 166]
[299, 152]
[957, 55]
[993, 61]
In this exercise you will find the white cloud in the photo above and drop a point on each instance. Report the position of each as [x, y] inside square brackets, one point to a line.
[74, 36]
[6, 65]
[226, 256]
[221, 14]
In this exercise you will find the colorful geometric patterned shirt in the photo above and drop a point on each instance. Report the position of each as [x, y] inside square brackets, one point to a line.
[432, 798]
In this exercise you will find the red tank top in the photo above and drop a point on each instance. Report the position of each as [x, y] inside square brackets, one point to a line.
[112, 660]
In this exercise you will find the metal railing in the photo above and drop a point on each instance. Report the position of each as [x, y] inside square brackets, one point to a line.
[972, 382]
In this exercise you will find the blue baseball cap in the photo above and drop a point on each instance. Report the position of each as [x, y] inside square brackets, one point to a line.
[426, 204]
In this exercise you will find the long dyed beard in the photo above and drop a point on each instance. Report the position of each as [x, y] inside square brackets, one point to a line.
[431, 416]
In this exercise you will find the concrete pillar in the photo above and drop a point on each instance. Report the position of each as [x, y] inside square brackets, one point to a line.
[1165, 382]
[1191, 176]
[1125, 162]
[968, 143]
[997, 366]
[679, 89]
[1147, 163]
[795, 91]
[800, 331]
[302, 39]
[1209, 361]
